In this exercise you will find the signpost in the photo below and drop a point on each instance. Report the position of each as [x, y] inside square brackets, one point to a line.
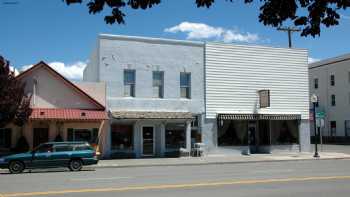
[314, 100]
[320, 124]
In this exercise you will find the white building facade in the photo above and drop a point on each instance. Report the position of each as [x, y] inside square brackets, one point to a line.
[165, 95]
[155, 93]
[330, 81]
[235, 76]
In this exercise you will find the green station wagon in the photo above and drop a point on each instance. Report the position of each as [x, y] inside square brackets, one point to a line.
[73, 155]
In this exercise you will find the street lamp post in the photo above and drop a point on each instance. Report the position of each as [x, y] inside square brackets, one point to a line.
[314, 100]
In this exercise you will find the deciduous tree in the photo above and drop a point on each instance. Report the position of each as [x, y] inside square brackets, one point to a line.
[14, 105]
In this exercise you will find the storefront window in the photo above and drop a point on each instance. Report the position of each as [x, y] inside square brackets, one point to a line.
[264, 132]
[175, 136]
[86, 135]
[122, 137]
[233, 133]
[284, 132]
[5, 138]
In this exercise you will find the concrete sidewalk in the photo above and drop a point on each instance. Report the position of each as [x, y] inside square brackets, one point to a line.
[217, 159]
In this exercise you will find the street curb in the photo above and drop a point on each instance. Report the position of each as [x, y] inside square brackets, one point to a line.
[216, 163]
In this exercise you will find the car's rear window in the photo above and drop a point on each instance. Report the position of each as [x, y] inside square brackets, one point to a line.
[63, 148]
[83, 147]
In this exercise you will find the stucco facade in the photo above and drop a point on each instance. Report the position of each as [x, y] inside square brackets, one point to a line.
[339, 68]
[115, 54]
[60, 110]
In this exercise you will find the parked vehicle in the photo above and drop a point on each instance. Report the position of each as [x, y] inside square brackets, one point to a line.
[73, 155]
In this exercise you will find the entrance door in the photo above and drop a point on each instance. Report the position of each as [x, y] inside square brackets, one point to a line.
[252, 134]
[40, 135]
[148, 141]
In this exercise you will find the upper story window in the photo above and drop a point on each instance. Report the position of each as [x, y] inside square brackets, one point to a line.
[316, 83]
[332, 80]
[333, 100]
[129, 83]
[185, 85]
[158, 84]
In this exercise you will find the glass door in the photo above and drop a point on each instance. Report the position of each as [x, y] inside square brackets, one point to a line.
[252, 137]
[148, 141]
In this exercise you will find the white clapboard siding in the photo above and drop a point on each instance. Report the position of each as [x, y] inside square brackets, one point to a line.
[234, 74]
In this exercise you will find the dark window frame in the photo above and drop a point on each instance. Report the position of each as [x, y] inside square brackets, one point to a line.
[186, 86]
[333, 100]
[129, 82]
[316, 83]
[155, 84]
[332, 80]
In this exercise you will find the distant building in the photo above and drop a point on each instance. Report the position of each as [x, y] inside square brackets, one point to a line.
[165, 95]
[330, 81]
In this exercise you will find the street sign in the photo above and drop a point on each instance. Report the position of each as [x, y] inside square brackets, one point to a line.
[320, 114]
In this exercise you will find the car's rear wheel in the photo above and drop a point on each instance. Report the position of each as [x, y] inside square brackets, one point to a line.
[16, 167]
[75, 165]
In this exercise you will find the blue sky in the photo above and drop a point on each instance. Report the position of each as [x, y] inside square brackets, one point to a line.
[64, 36]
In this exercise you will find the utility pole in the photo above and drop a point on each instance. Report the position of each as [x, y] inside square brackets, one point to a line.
[290, 30]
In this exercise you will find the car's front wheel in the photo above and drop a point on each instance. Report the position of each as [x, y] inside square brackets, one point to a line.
[75, 165]
[16, 167]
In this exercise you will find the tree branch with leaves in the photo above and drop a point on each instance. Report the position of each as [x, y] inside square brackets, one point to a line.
[309, 15]
[14, 105]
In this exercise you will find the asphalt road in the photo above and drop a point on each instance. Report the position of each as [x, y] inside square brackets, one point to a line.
[297, 178]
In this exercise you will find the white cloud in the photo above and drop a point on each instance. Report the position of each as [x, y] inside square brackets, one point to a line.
[312, 60]
[14, 70]
[71, 71]
[203, 31]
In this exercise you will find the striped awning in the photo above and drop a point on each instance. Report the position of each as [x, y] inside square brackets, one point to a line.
[259, 116]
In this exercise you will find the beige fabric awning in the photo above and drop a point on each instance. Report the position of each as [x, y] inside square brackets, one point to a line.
[259, 116]
[151, 115]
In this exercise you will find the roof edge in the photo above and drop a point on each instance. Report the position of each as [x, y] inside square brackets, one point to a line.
[75, 87]
[331, 60]
[256, 45]
[151, 40]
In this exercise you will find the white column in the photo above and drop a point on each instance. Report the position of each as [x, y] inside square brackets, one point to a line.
[188, 136]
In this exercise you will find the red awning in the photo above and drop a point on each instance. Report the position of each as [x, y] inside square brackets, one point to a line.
[67, 114]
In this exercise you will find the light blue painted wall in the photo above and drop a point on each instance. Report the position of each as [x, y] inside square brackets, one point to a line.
[145, 55]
